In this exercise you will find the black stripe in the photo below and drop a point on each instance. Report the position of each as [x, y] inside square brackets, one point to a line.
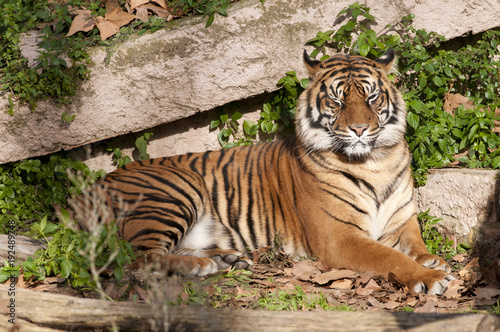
[345, 201]
[192, 164]
[395, 183]
[148, 231]
[176, 188]
[342, 221]
[204, 163]
[251, 203]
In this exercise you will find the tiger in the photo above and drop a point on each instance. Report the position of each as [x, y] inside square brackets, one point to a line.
[340, 189]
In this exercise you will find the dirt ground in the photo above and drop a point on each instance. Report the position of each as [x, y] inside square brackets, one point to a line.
[278, 282]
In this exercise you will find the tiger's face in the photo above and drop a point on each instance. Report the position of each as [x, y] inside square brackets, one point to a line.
[350, 106]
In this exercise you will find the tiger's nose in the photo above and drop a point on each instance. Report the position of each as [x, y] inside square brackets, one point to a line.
[359, 128]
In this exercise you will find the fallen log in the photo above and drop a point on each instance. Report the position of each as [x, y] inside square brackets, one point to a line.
[39, 311]
[19, 247]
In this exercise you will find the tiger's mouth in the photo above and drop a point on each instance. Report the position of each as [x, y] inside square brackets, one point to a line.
[358, 150]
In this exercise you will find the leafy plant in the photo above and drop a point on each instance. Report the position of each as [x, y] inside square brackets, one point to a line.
[279, 114]
[434, 241]
[28, 191]
[367, 42]
[206, 8]
[29, 188]
[52, 76]
[229, 134]
[297, 300]
[67, 255]
[141, 144]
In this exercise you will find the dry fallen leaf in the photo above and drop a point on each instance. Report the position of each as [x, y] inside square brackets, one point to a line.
[468, 272]
[374, 302]
[454, 100]
[121, 291]
[486, 292]
[391, 305]
[111, 4]
[342, 284]
[453, 291]
[158, 11]
[361, 291]
[112, 22]
[20, 281]
[372, 284]
[110, 291]
[497, 123]
[429, 306]
[365, 277]
[304, 270]
[142, 13]
[82, 22]
[326, 277]
[137, 3]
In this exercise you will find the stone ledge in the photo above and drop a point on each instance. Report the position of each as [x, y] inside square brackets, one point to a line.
[187, 68]
[466, 199]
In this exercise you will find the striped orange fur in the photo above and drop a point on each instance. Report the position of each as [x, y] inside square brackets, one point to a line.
[340, 189]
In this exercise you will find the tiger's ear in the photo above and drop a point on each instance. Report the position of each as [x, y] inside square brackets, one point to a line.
[387, 62]
[312, 65]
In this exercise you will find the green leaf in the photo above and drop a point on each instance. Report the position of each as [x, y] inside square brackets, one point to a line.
[438, 81]
[458, 133]
[118, 273]
[473, 131]
[66, 267]
[50, 228]
[214, 124]
[422, 82]
[364, 49]
[226, 132]
[236, 116]
[267, 107]
[413, 120]
[4, 275]
[443, 144]
[43, 224]
[248, 127]
[355, 13]
[495, 162]
[210, 20]
[142, 145]
[10, 192]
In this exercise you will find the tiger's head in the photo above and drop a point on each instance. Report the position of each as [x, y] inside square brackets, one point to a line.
[350, 106]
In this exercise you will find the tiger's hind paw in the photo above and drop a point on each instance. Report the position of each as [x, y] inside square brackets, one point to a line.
[235, 260]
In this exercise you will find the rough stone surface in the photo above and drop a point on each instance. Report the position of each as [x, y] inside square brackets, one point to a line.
[187, 68]
[465, 199]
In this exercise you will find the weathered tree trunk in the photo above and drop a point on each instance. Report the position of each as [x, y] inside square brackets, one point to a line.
[38, 311]
[20, 247]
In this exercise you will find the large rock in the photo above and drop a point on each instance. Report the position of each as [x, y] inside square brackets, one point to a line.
[187, 68]
[465, 199]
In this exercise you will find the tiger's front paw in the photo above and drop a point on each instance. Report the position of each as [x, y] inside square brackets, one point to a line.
[432, 282]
